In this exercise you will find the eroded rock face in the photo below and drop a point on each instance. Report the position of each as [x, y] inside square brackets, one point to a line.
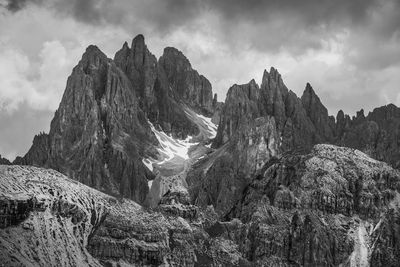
[220, 179]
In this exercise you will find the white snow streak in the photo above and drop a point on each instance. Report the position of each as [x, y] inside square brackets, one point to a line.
[170, 148]
[212, 128]
[359, 257]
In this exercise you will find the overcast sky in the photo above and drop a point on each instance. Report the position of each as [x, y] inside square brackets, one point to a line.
[348, 50]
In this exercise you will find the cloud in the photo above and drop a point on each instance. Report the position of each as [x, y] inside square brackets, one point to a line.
[348, 50]
[19, 127]
[264, 25]
[20, 83]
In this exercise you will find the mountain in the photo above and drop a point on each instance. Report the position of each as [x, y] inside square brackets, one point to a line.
[266, 178]
[102, 129]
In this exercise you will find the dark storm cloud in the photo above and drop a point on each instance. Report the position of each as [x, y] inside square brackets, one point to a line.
[16, 5]
[264, 25]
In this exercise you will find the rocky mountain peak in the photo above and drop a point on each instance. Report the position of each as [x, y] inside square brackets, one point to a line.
[186, 83]
[273, 80]
[173, 57]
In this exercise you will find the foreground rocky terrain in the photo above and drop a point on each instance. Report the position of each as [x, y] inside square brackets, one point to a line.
[144, 167]
[330, 207]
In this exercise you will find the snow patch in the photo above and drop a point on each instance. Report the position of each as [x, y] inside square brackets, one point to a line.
[150, 183]
[204, 123]
[148, 164]
[212, 127]
[169, 148]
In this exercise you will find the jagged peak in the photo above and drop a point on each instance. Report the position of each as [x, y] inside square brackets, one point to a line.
[172, 50]
[309, 93]
[175, 54]
[360, 113]
[138, 39]
[93, 49]
[249, 89]
[125, 45]
[340, 114]
[253, 83]
[92, 56]
[272, 77]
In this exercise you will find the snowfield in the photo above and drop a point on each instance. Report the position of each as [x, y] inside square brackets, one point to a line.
[170, 148]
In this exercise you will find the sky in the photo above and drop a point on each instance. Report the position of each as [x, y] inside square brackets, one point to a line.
[348, 50]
